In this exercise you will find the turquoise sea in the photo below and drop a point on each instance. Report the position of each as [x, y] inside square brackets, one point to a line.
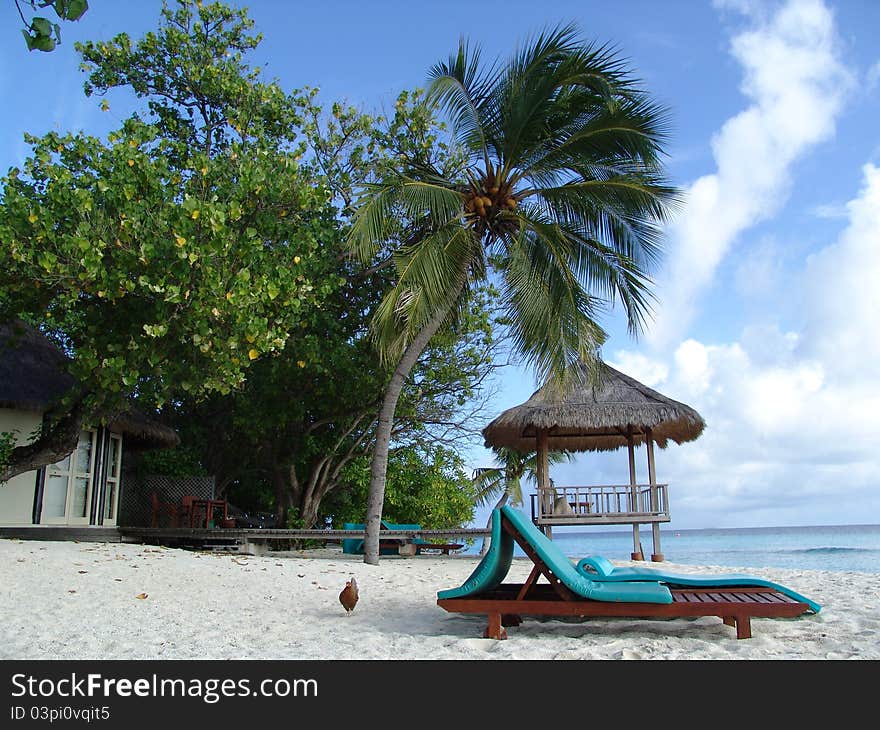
[830, 547]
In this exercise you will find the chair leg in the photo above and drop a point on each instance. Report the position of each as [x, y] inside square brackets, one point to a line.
[743, 627]
[495, 630]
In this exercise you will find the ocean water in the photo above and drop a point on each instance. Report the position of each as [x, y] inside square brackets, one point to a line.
[836, 547]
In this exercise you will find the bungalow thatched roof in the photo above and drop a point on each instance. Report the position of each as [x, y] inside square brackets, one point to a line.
[33, 377]
[32, 372]
[588, 418]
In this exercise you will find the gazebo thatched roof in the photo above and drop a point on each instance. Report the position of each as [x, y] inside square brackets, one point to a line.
[588, 418]
[33, 377]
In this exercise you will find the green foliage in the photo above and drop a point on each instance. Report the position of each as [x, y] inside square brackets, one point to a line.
[179, 461]
[354, 149]
[40, 34]
[260, 434]
[7, 444]
[429, 488]
[266, 446]
[170, 257]
[505, 478]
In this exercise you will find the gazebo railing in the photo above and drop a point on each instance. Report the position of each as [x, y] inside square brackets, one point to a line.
[601, 503]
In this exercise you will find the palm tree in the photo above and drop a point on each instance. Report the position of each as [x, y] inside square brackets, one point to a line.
[505, 479]
[562, 201]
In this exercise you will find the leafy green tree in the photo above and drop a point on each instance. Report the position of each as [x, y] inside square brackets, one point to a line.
[287, 438]
[562, 199]
[425, 486]
[170, 257]
[40, 33]
[284, 440]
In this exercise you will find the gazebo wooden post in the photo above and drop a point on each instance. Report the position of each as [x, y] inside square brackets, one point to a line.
[543, 477]
[657, 555]
[634, 494]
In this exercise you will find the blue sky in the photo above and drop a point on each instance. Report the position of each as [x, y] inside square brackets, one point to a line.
[768, 308]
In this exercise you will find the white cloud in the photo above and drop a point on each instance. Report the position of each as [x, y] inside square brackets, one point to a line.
[692, 367]
[644, 369]
[842, 289]
[791, 416]
[796, 85]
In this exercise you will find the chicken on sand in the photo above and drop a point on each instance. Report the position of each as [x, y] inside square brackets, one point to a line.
[349, 596]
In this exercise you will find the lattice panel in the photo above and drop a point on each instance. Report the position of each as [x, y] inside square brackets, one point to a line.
[135, 508]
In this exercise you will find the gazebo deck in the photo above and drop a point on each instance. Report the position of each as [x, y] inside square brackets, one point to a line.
[618, 504]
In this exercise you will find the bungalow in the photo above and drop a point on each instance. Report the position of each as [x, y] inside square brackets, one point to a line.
[84, 488]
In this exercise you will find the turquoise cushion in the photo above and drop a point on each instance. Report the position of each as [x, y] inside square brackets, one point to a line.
[606, 572]
[601, 566]
[492, 569]
[353, 545]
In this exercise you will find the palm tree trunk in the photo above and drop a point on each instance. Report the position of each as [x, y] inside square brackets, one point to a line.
[502, 500]
[379, 466]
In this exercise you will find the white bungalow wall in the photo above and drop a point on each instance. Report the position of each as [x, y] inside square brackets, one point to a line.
[17, 495]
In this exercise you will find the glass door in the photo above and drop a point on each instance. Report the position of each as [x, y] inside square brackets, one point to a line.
[111, 488]
[67, 495]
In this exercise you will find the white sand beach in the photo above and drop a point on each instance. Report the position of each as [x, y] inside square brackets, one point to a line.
[67, 600]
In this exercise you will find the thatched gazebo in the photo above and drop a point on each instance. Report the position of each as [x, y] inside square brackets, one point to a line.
[618, 411]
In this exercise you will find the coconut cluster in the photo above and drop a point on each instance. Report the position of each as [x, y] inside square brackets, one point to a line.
[486, 198]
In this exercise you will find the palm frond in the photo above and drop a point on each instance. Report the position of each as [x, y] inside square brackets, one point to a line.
[625, 212]
[382, 205]
[553, 320]
[508, 473]
[461, 87]
[430, 274]
[599, 268]
[625, 136]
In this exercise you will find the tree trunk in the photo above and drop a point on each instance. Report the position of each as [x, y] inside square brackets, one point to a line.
[379, 466]
[282, 496]
[308, 512]
[502, 500]
[58, 439]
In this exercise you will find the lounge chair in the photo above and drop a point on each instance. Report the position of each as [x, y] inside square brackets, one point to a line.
[442, 547]
[392, 546]
[573, 592]
[387, 545]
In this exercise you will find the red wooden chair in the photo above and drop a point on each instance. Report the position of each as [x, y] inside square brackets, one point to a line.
[188, 512]
[163, 509]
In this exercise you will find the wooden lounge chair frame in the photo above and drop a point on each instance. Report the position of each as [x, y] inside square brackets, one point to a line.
[444, 547]
[507, 603]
